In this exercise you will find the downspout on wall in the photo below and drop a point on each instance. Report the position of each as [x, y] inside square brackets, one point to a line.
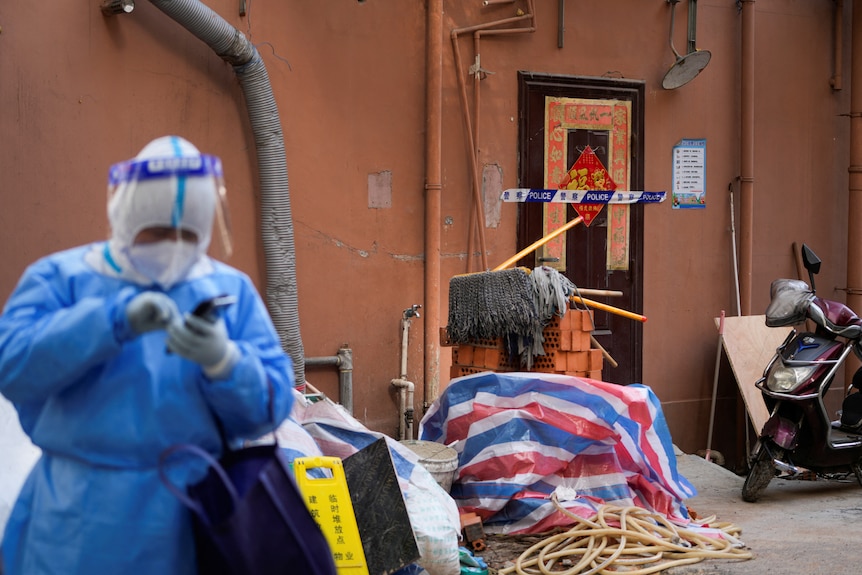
[837, 46]
[433, 193]
[854, 207]
[276, 219]
[746, 161]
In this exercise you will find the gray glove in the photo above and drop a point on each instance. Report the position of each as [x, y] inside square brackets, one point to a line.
[150, 311]
[205, 343]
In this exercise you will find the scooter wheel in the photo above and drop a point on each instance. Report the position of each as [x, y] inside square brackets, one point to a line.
[761, 473]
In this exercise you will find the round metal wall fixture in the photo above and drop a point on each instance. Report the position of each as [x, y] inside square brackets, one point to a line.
[685, 69]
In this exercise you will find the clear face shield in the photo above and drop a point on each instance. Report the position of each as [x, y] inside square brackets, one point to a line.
[163, 211]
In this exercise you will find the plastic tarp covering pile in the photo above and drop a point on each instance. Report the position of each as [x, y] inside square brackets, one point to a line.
[522, 436]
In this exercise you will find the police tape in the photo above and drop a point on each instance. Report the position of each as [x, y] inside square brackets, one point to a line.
[581, 196]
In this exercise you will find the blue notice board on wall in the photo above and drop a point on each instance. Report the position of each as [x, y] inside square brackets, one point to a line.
[689, 174]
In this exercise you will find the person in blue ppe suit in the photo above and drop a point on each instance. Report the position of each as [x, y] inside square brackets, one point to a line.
[107, 368]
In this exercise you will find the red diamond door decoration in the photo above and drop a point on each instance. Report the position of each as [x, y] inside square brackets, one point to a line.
[588, 173]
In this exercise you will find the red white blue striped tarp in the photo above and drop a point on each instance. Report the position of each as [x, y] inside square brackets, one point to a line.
[522, 436]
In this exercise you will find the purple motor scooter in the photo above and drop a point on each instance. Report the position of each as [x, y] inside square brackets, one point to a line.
[800, 438]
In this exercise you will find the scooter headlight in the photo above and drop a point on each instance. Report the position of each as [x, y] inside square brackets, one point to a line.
[784, 379]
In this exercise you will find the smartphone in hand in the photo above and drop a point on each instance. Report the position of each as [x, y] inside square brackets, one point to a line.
[209, 308]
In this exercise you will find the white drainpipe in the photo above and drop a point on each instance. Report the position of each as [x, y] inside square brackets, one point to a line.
[405, 387]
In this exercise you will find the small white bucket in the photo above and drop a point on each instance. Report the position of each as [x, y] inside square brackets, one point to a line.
[440, 461]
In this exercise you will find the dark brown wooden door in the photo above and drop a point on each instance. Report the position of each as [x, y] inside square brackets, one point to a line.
[586, 248]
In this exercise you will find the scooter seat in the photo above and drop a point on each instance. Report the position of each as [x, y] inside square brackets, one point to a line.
[838, 313]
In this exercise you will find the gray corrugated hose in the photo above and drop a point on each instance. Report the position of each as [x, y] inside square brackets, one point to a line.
[276, 219]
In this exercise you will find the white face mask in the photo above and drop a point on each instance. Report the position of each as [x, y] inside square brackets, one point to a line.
[166, 262]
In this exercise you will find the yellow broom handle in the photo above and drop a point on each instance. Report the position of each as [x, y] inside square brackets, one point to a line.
[609, 308]
[538, 243]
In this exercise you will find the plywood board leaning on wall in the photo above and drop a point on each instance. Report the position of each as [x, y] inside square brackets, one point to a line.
[749, 346]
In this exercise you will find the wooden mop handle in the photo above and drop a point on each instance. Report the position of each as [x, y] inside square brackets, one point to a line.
[542, 241]
[600, 292]
[605, 353]
[609, 308]
[538, 243]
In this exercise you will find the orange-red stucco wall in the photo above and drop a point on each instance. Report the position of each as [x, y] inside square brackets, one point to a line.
[79, 91]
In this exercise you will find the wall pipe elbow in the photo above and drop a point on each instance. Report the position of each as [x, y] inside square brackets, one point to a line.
[405, 400]
[343, 360]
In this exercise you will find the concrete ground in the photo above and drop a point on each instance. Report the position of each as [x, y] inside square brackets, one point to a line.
[797, 527]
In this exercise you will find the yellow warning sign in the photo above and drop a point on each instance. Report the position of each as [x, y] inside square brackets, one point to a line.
[328, 501]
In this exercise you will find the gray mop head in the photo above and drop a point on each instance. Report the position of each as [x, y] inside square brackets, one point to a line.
[512, 305]
[489, 305]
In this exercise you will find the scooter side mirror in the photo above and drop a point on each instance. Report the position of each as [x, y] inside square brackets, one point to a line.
[810, 259]
[811, 263]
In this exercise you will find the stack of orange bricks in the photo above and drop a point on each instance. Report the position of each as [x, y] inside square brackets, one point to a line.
[567, 351]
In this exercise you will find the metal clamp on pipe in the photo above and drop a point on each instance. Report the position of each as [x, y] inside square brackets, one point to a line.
[114, 7]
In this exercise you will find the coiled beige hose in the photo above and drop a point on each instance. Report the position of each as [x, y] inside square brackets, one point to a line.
[635, 540]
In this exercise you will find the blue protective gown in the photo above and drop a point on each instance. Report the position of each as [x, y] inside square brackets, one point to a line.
[102, 404]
